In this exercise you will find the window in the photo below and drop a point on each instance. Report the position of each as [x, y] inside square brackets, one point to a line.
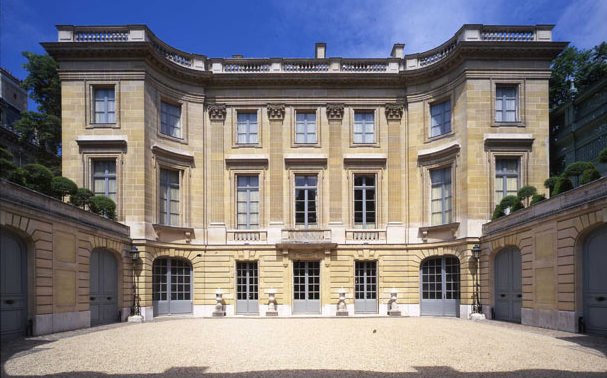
[104, 178]
[247, 201]
[105, 105]
[441, 196]
[364, 200]
[506, 178]
[170, 119]
[506, 103]
[364, 128]
[305, 128]
[169, 197]
[247, 128]
[440, 115]
[305, 199]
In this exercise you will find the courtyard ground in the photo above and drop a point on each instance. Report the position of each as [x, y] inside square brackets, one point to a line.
[308, 347]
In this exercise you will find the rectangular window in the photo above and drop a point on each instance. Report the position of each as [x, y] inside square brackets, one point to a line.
[105, 105]
[364, 127]
[364, 200]
[169, 197]
[305, 128]
[441, 196]
[506, 178]
[506, 103]
[104, 178]
[305, 199]
[170, 119]
[440, 115]
[247, 128]
[247, 201]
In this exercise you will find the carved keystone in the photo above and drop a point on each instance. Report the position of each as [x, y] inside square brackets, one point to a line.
[217, 112]
[335, 111]
[276, 112]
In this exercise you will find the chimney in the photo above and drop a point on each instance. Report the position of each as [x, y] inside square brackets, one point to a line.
[320, 50]
[398, 51]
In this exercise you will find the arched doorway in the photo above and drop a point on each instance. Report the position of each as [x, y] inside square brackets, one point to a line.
[103, 292]
[171, 286]
[440, 286]
[13, 285]
[508, 285]
[595, 282]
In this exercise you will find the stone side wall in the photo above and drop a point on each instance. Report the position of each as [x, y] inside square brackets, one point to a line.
[550, 236]
[59, 239]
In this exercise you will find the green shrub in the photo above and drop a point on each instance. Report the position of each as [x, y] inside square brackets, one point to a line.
[498, 212]
[561, 185]
[551, 182]
[18, 176]
[589, 175]
[525, 193]
[62, 186]
[603, 155]
[537, 198]
[38, 177]
[103, 205]
[7, 167]
[81, 197]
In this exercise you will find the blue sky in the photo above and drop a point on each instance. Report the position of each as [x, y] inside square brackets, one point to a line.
[290, 28]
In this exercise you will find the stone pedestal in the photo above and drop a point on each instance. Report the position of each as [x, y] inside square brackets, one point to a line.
[219, 312]
[393, 310]
[342, 309]
[477, 316]
[135, 319]
[272, 311]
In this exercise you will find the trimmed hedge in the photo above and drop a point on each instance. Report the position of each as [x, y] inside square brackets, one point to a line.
[103, 205]
[62, 186]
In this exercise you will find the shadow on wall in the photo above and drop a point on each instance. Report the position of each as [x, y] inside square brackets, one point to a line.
[437, 371]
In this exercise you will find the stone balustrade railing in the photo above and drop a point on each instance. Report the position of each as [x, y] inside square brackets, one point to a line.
[247, 236]
[398, 62]
[306, 235]
[366, 235]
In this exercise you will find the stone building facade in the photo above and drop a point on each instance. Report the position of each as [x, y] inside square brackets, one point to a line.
[545, 265]
[303, 179]
[62, 268]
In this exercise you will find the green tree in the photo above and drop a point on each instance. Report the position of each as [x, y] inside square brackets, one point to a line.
[103, 206]
[7, 167]
[43, 86]
[81, 197]
[62, 186]
[38, 177]
[575, 70]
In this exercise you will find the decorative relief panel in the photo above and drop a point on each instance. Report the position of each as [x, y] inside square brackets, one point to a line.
[276, 112]
[335, 111]
[217, 112]
[394, 111]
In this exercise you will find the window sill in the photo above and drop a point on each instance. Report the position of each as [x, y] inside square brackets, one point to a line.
[450, 228]
[175, 139]
[364, 145]
[508, 124]
[187, 232]
[439, 137]
[103, 126]
[247, 145]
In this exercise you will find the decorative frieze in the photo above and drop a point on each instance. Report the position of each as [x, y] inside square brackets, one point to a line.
[394, 111]
[335, 111]
[276, 112]
[217, 112]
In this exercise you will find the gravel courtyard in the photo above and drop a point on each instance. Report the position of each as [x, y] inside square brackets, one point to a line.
[303, 347]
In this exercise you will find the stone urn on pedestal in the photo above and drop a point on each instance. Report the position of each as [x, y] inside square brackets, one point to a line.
[393, 309]
[342, 308]
[218, 304]
[272, 309]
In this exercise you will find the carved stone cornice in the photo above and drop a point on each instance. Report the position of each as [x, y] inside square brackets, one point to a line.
[276, 112]
[394, 111]
[217, 112]
[335, 111]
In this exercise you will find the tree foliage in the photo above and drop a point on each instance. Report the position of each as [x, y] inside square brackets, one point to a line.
[62, 186]
[575, 70]
[7, 167]
[103, 205]
[81, 197]
[41, 129]
[38, 178]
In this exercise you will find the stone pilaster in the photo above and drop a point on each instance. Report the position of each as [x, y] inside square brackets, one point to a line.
[394, 114]
[335, 115]
[215, 173]
[276, 115]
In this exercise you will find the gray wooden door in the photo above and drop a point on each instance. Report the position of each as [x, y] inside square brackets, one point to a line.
[595, 282]
[103, 292]
[171, 286]
[247, 300]
[440, 286]
[13, 290]
[508, 285]
[306, 287]
[365, 287]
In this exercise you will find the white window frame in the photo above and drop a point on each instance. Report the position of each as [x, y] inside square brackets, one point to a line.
[305, 134]
[445, 198]
[306, 188]
[364, 188]
[445, 119]
[248, 189]
[90, 88]
[247, 133]
[164, 106]
[108, 116]
[364, 141]
[503, 99]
